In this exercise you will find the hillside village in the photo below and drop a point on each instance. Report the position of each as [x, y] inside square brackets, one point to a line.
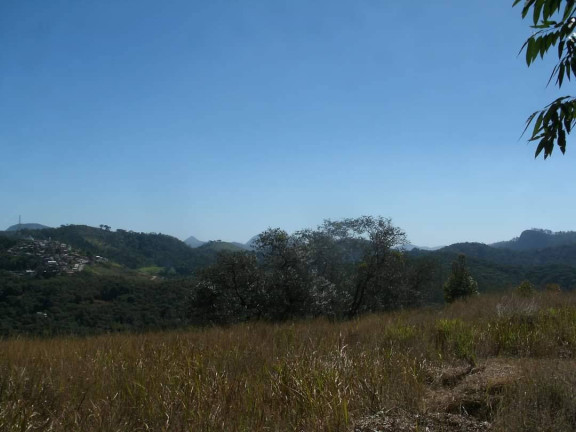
[50, 258]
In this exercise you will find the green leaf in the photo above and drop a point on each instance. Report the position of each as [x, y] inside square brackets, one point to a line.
[527, 5]
[543, 46]
[550, 8]
[546, 9]
[548, 146]
[567, 124]
[561, 49]
[538, 124]
[536, 11]
[551, 125]
[538, 44]
[539, 149]
[530, 51]
[568, 113]
[568, 10]
[528, 121]
[572, 65]
[562, 140]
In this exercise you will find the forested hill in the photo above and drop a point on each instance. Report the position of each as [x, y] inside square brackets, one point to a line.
[534, 239]
[123, 280]
[496, 266]
[499, 268]
[26, 226]
[557, 255]
[130, 249]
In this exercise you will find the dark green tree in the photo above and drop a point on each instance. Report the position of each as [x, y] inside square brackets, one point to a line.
[553, 22]
[460, 284]
[229, 290]
[340, 269]
[358, 257]
[285, 273]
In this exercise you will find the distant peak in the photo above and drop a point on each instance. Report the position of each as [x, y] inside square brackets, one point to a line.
[193, 242]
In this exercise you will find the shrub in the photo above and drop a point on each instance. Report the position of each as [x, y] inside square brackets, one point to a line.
[525, 289]
[460, 284]
[552, 288]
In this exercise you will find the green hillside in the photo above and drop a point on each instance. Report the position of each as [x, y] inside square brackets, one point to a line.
[26, 226]
[98, 300]
[127, 248]
[221, 246]
[139, 281]
[538, 239]
[500, 268]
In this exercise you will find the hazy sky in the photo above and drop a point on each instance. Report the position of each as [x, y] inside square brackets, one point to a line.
[219, 118]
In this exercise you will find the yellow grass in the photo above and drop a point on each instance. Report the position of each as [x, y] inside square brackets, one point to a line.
[312, 376]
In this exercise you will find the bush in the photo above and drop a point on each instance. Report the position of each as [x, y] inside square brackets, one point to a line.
[552, 288]
[525, 289]
[460, 284]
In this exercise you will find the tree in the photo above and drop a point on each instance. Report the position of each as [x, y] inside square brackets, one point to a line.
[554, 22]
[460, 284]
[340, 269]
[286, 276]
[229, 290]
[358, 257]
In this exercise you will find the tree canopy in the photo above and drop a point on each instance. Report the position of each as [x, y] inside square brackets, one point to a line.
[460, 284]
[553, 22]
[340, 269]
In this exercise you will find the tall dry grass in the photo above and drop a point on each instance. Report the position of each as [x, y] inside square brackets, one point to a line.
[312, 376]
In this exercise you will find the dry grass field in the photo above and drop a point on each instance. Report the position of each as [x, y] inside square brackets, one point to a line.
[502, 363]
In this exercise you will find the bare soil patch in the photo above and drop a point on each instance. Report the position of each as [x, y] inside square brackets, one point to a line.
[460, 397]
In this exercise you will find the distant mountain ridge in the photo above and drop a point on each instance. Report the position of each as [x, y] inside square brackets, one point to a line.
[506, 270]
[531, 239]
[540, 256]
[27, 226]
[410, 247]
[193, 242]
[536, 238]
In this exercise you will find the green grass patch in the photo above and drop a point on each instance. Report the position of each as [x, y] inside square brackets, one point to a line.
[151, 270]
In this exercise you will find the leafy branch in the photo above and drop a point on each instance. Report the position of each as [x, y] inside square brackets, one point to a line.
[554, 21]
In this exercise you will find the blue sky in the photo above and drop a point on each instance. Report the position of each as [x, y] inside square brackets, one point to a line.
[222, 118]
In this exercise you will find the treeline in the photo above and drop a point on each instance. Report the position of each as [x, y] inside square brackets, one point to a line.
[341, 269]
[497, 269]
[86, 303]
[565, 254]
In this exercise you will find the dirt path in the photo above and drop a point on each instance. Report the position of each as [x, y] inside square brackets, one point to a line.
[460, 398]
